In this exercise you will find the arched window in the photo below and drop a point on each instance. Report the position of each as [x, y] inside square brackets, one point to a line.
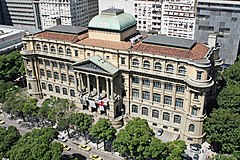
[43, 85]
[177, 119]
[166, 116]
[53, 49]
[29, 86]
[72, 93]
[60, 50]
[155, 113]
[191, 128]
[145, 111]
[69, 52]
[182, 70]
[50, 87]
[169, 68]
[57, 88]
[38, 47]
[134, 108]
[158, 66]
[146, 64]
[45, 48]
[135, 62]
[65, 91]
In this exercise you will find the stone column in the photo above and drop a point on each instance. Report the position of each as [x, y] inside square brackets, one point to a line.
[112, 92]
[59, 72]
[107, 87]
[202, 104]
[140, 87]
[151, 90]
[51, 64]
[88, 83]
[33, 69]
[98, 89]
[174, 96]
[80, 81]
[45, 69]
[162, 93]
[76, 82]
[67, 69]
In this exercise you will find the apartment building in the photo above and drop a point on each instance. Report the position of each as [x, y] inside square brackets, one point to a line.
[222, 17]
[166, 80]
[178, 18]
[67, 12]
[22, 13]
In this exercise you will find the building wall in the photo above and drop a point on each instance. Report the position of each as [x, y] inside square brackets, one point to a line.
[160, 96]
[222, 17]
[178, 18]
[69, 12]
[20, 13]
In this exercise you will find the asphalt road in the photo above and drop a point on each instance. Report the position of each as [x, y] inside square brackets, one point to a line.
[82, 155]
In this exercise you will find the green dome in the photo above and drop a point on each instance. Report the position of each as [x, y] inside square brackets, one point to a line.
[112, 19]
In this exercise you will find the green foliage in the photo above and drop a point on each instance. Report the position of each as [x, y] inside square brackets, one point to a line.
[8, 139]
[5, 89]
[232, 74]
[64, 124]
[176, 149]
[30, 107]
[11, 66]
[222, 128]
[229, 97]
[133, 140]
[224, 157]
[103, 130]
[36, 145]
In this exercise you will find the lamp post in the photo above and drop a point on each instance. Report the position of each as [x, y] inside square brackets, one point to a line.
[122, 110]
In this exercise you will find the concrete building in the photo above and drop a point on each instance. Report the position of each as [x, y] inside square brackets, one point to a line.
[222, 17]
[24, 13]
[166, 80]
[67, 12]
[178, 18]
[10, 38]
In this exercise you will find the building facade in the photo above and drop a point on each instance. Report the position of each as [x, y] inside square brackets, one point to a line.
[166, 80]
[24, 13]
[178, 18]
[67, 12]
[222, 17]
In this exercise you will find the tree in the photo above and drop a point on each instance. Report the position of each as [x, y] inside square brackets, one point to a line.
[232, 74]
[224, 157]
[133, 140]
[30, 108]
[11, 66]
[103, 130]
[8, 139]
[5, 88]
[223, 131]
[156, 150]
[64, 124]
[36, 145]
[83, 122]
[229, 97]
[175, 150]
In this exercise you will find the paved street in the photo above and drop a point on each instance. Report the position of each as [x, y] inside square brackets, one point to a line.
[74, 150]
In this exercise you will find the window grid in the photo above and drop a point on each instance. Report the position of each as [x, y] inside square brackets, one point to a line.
[179, 102]
[177, 119]
[168, 86]
[156, 84]
[168, 100]
[156, 97]
[135, 80]
[155, 114]
[166, 116]
[135, 93]
[146, 82]
[145, 111]
[180, 89]
[134, 109]
[146, 95]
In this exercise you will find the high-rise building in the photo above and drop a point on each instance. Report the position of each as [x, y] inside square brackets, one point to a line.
[148, 15]
[166, 80]
[24, 13]
[222, 17]
[67, 12]
[178, 18]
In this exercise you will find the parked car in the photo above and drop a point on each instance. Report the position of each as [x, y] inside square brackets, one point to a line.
[65, 147]
[2, 121]
[195, 157]
[95, 157]
[84, 147]
[62, 138]
[186, 157]
[195, 150]
[196, 145]
[160, 132]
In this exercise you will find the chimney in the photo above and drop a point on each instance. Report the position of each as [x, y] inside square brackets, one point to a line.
[212, 40]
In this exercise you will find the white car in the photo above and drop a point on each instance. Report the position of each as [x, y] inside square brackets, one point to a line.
[61, 138]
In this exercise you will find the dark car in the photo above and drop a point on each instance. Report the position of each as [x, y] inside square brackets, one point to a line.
[195, 157]
[186, 157]
[160, 132]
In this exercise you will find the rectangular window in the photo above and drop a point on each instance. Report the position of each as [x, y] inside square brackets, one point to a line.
[194, 111]
[134, 109]
[199, 75]
[196, 96]
[156, 84]
[42, 73]
[56, 75]
[47, 63]
[179, 102]
[180, 89]
[55, 64]
[146, 95]
[123, 60]
[135, 93]
[71, 79]
[40, 61]
[145, 111]
[64, 77]
[76, 53]
[168, 86]
[62, 65]
[168, 100]
[135, 80]
[146, 82]
[49, 74]
[156, 97]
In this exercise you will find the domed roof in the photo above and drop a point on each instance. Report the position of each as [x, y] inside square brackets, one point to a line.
[112, 19]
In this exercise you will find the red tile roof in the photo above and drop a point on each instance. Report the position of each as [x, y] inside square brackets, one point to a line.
[196, 53]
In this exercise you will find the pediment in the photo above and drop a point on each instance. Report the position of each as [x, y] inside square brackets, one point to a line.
[89, 66]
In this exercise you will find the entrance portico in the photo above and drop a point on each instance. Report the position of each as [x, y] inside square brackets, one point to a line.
[97, 83]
